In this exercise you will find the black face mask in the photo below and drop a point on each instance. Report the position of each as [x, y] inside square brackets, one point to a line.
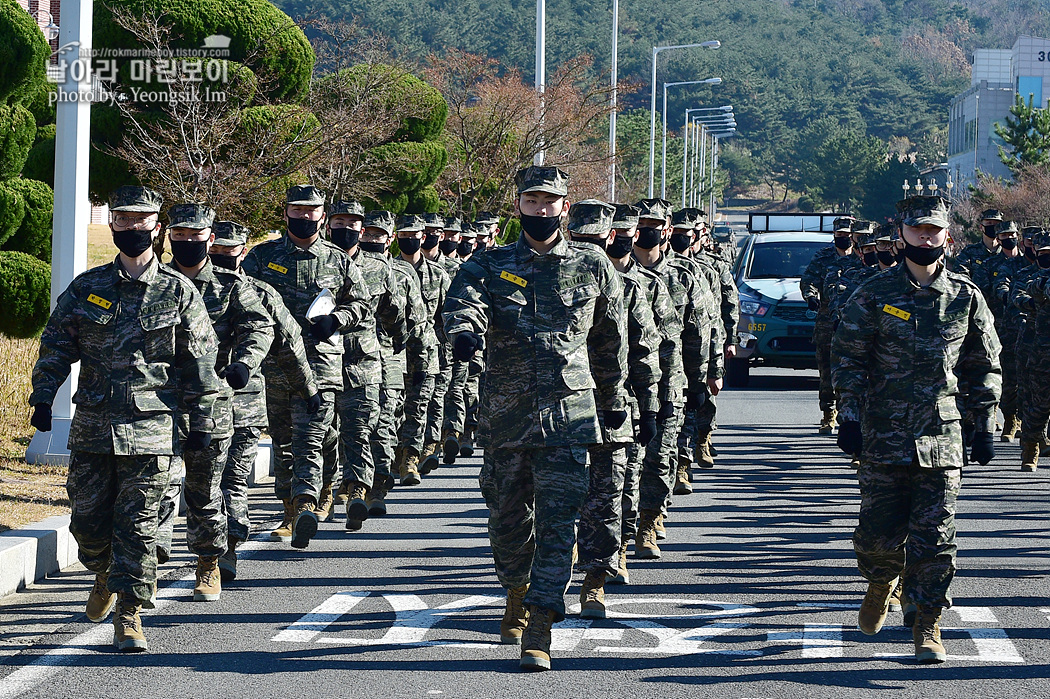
[1029, 253]
[989, 231]
[447, 247]
[597, 242]
[540, 228]
[1009, 243]
[466, 248]
[680, 242]
[871, 258]
[409, 246]
[230, 262]
[189, 253]
[430, 241]
[346, 238]
[887, 257]
[648, 238]
[620, 247]
[922, 256]
[1043, 260]
[134, 242]
[843, 242]
[303, 228]
[373, 247]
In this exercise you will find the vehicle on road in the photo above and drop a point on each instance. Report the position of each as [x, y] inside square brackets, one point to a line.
[776, 325]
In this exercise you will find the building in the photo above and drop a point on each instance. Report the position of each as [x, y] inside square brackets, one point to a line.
[998, 76]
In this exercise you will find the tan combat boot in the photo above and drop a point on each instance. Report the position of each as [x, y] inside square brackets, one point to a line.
[209, 581]
[127, 626]
[645, 540]
[227, 564]
[1029, 456]
[661, 530]
[376, 500]
[428, 460]
[341, 494]
[829, 421]
[875, 606]
[927, 636]
[466, 445]
[515, 617]
[1010, 428]
[682, 485]
[283, 532]
[705, 458]
[450, 446]
[356, 507]
[100, 601]
[536, 641]
[408, 467]
[592, 595]
[325, 504]
[304, 526]
[622, 576]
[895, 597]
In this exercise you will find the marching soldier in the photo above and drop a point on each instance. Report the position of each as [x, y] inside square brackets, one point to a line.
[1036, 407]
[979, 260]
[488, 229]
[1006, 265]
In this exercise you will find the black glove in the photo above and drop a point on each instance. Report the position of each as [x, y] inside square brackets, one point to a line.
[418, 377]
[969, 429]
[666, 412]
[614, 419]
[850, 439]
[647, 427]
[237, 375]
[41, 417]
[196, 441]
[466, 344]
[983, 448]
[814, 303]
[313, 404]
[399, 347]
[323, 327]
[692, 401]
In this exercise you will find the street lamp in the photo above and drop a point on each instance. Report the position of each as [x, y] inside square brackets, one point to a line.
[652, 103]
[720, 119]
[663, 163]
[687, 162]
[612, 110]
[541, 63]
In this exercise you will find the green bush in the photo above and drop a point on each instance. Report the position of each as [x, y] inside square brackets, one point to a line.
[40, 165]
[25, 294]
[425, 201]
[23, 53]
[401, 88]
[12, 211]
[39, 103]
[17, 132]
[33, 237]
[412, 165]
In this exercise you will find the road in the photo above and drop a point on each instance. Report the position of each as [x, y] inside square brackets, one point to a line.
[756, 596]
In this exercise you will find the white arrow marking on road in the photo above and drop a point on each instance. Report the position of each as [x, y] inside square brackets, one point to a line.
[676, 641]
[974, 615]
[412, 621]
[310, 626]
[817, 640]
[993, 646]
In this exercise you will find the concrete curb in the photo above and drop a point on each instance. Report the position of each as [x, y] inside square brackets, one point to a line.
[32, 553]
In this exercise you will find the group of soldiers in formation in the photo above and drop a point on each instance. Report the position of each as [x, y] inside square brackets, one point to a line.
[587, 362]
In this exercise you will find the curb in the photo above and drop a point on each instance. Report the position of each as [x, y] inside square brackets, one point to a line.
[32, 553]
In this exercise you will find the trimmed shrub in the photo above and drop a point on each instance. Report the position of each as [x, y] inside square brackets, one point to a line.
[40, 165]
[23, 53]
[412, 165]
[33, 237]
[39, 103]
[25, 294]
[402, 87]
[425, 200]
[17, 132]
[12, 211]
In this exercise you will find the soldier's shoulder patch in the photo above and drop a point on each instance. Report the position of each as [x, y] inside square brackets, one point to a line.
[99, 301]
[513, 278]
[896, 312]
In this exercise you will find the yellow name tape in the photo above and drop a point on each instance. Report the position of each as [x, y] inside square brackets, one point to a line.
[278, 268]
[99, 301]
[513, 279]
[894, 311]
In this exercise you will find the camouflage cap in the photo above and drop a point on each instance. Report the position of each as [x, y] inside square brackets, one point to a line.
[537, 178]
[866, 238]
[991, 215]
[1041, 241]
[410, 223]
[1029, 232]
[383, 220]
[303, 195]
[434, 221]
[198, 216]
[887, 233]
[590, 217]
[626, 215]
[347, 208]
[487, 218]
[135, 199]
[924, 210]
[688, 217]
[862, 227]
[229, 233]
[472, 230]
[452, 223]
[1007, 227]
[843, 223]
[654, 208]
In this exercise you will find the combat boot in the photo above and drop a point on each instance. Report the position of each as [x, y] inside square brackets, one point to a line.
[127, 626]
[466, 445]
[661, 531]
[283, 533]
[704, 456]
[408, 468]
[341, 494]
[682, 486]
[622, 576]
[829, 421]
[927, 636]
[376, 500]
[228, 562]
[875, 606]
[895, 597]
[1029, 456]
[1010, 428]
[304, 527]
[536, 641]
[908, 609]
[428, 460]
[451, 446]
[151, 603]
[645, 540]
[515, 617]
[100, 601]
[592, 595]
[357, 508]
[208, 587]
[325, 504]
[854, 462]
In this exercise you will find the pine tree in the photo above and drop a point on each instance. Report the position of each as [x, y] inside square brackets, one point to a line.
[1027, 133]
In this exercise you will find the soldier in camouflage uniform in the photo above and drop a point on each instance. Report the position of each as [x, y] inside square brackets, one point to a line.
[245, 332]
[979, 260]
[300, 266]
[600, 527]
[487, 225]
[915, 345]
[1036, 407]
[1006, 264]
[466, 415]
[1014, 269]
[810, 284]
[144, 342]
[553, 320]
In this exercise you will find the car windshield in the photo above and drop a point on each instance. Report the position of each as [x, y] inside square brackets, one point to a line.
[782, 260]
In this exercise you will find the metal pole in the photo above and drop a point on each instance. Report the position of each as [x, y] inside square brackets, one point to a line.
[685, 153]
[541, 63]
[703, 163]
[652, 127]
[714, 167]
[663, 159]
[612, 112]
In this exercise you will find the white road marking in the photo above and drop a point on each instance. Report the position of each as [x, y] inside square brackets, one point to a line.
[993, 646]
[311, 625]
[829, 605]
[677, 641]
[822, 641]
[976, 615]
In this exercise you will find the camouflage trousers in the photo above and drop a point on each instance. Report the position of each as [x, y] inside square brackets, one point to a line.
[358, 417]
[384, 437]
[659, 467]
[1035, 410]
[299, 440]
[206, 524]
[906, 527]
[456, 398]
[1008, 361]
[417, 398]
[822, 335]
[169, 504]
[697, 423]
[600, 519]
[439, 398]
[114, 502]
[244, 448]
[534, 497]
[629, 497]
[472, 399]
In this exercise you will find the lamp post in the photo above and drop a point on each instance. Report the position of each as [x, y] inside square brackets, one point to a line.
[612, 109]
[652, 103]
[663, 162]
[706, 122]
[686, 159]
[541, 63]
[715, 139]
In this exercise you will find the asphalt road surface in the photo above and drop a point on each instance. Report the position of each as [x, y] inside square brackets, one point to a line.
[755, 596]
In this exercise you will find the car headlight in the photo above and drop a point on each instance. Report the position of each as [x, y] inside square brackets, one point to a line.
[753, 308]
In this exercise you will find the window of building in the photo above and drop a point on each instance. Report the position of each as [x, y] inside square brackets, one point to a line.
[1033, 86]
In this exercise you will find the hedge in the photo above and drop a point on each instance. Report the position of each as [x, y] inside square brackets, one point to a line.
[33, 237]
[17, 133]
[23, 53]
[25, 294]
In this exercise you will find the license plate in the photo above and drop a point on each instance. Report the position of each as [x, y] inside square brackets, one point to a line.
[756, 327]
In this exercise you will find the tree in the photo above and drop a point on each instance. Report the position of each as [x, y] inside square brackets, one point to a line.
[1027, 133]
